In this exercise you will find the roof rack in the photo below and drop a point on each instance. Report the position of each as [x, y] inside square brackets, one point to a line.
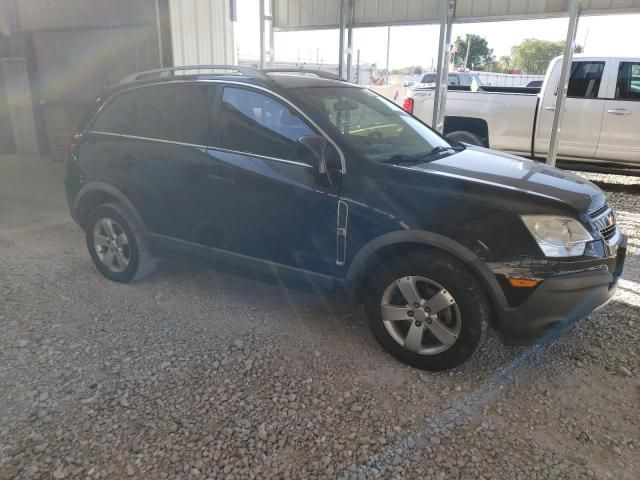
[318, 73]
[170, 71]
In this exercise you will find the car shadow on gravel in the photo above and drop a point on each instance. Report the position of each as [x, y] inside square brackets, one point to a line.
[321, 321]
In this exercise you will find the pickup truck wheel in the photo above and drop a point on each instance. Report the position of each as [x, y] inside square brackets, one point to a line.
[117, 245]
[426, 309]
[465, 137]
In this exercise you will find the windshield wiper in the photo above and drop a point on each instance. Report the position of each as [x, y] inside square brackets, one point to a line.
[435, 152]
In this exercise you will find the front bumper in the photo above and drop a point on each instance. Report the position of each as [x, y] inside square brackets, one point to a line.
[560, 300]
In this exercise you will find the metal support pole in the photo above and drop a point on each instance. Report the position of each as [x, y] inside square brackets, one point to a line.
[261, 61]
[272, 44]
[357, 80]
[563, 83]
[388, 50]
[444, 49]
[341, 42]
[349, 40]
[159, 31]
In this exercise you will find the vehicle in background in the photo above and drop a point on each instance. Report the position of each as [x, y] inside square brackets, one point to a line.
[600, 124]
[534, 84]
[455, 79]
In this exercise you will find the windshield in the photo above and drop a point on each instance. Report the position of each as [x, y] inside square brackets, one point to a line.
[372, 125]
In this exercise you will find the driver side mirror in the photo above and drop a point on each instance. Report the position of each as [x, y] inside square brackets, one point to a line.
[314, 147]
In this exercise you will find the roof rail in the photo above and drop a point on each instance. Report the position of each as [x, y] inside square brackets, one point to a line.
[318, 73]
[170, 71]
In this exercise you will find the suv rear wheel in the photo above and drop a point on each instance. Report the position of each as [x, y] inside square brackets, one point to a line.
[117, 245]
[426, 309]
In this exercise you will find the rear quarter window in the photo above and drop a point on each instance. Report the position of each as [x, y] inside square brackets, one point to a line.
[177, 113]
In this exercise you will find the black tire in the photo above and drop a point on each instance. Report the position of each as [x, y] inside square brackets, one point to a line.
[140, 260]
[445, 270]
[465, 137]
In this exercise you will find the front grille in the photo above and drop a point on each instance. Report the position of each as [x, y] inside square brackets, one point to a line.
[608, 232]
[605, 221]
[599, 211]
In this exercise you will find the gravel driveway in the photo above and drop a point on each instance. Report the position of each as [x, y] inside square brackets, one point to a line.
[195, 373]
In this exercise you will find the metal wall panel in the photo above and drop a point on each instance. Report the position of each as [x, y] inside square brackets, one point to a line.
[202, 32]
[311, 14]
[76, 65]
[67, 14]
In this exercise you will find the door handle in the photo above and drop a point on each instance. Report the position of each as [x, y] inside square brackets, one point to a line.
[550, 107]
[619, 111]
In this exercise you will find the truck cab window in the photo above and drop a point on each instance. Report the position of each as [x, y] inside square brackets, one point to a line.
[585, 79]
[628, 84]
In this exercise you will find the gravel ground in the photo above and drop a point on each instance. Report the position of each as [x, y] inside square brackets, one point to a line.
[195, 373]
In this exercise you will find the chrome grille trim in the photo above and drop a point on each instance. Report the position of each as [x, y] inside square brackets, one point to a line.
[599, 211]
[604, 220]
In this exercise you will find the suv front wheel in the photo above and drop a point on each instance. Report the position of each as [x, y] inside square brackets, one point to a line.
[117, 245]
[426, 309]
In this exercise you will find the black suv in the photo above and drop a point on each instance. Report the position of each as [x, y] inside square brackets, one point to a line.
[321, 182]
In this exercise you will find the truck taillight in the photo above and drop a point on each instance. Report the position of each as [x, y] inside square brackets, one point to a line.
[73, 143]
[407, 105]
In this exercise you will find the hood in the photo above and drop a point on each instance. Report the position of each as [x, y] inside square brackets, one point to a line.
[486, 166]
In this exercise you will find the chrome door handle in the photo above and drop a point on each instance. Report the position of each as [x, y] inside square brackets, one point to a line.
[619, 111]
[550, 107]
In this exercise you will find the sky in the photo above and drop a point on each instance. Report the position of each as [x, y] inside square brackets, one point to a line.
[417, 45]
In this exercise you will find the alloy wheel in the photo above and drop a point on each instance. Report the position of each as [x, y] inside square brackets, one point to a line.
[421, 315]
[111, 245]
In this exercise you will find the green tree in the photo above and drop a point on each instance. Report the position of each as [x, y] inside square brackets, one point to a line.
[502, 65]
[480, 55]
[533, 56]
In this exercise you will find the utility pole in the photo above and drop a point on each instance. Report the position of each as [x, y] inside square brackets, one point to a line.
[466, 57]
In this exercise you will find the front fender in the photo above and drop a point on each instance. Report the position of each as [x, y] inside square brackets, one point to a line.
[357, 269]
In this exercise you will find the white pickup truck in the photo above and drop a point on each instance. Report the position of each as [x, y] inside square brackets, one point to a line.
[601, 121]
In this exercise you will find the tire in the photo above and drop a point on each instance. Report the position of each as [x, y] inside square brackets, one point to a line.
[465, 137]
[110, 228]
[441, 281]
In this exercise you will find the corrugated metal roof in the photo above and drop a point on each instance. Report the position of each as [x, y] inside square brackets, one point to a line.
[312, 14]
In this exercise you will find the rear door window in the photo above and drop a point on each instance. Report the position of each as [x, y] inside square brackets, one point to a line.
[453, 79]
[628, 84]
[178, 112]
[585, 79]
[252, 122]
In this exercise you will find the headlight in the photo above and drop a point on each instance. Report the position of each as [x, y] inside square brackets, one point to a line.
[558, 236]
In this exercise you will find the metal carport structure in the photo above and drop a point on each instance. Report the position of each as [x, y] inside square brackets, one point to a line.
[286, 15]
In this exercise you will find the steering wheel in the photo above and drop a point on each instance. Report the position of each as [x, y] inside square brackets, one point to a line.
[375, 135]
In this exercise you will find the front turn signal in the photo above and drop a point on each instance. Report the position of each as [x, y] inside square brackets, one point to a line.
[522, 282]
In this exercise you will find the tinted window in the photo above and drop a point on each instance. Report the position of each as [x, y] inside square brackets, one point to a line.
[465, 80]
[169, 112]
[117, 115]
[628, 85]
[429, 78]
[585, 79]
[252, 122]
[375, 127]
[453, 79]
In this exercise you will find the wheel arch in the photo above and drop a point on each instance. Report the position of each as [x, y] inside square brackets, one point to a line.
[395, 243]
[98, 193]
[477, 126]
